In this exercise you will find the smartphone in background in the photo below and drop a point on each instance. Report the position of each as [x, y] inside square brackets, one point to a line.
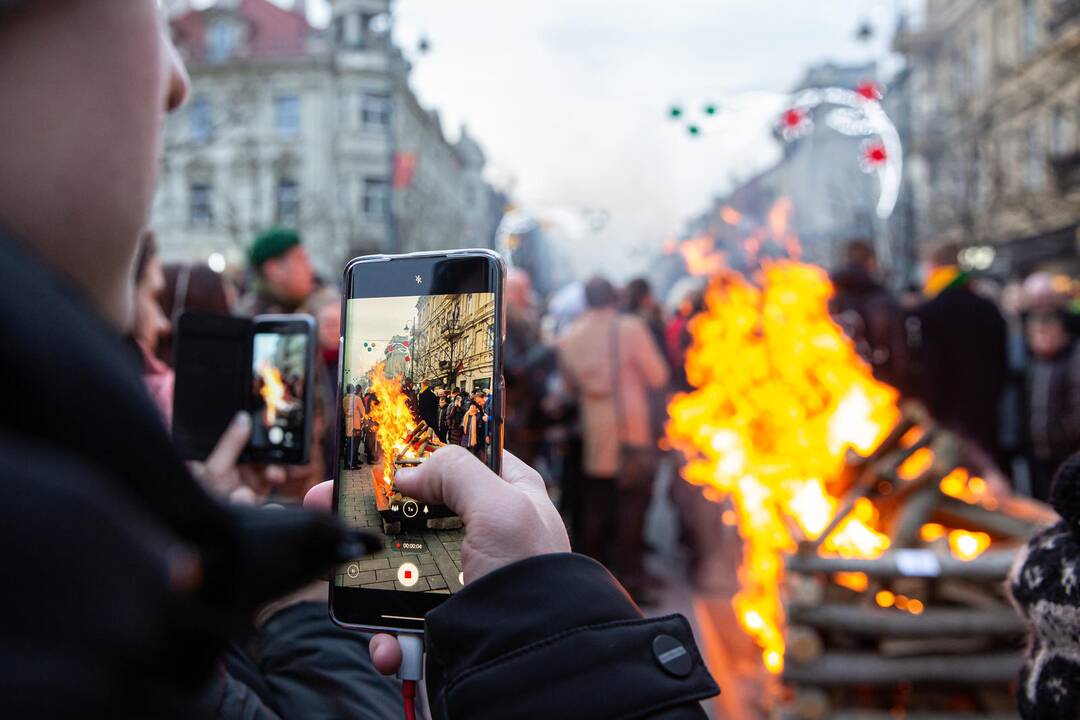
[263, 365]
[421, 367]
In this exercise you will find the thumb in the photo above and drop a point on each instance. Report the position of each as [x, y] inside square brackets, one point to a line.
[232, 443]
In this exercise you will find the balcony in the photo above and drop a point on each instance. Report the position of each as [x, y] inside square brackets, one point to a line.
[1063, 12]
[1066, 167]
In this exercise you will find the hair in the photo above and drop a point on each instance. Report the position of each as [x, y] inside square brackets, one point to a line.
[945, 255]
[860, 252]
[636, 291]
[599, 293]
[148, 250]
[190, 287]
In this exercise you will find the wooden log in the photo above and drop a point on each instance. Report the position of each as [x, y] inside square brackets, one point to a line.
[845, 669]
[808, 704]
[913, 515]
[803, 590]
[993, 565]
[977, 595]
[932, 623]
[802, 644]
[905, 647]
[957, 513]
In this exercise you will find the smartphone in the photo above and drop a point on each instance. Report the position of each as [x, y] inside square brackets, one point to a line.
[420, 368]
[262, 365]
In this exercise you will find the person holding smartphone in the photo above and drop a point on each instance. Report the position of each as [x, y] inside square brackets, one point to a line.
[126, 580]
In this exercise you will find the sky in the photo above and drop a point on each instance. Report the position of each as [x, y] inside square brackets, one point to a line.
[375, 320]
[569, 98]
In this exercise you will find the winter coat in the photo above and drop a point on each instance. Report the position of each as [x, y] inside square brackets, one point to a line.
[1053, 403]
[874, 321]
[612, 390]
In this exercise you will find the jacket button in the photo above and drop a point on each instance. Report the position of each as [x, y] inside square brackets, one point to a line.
[672, 656]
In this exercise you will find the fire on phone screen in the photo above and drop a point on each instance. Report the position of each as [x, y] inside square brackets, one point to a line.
[278, 370]
[418, 374]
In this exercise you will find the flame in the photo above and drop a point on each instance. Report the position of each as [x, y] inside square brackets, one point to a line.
[730, 215]
[272, 391]
[966, 545]
[701, 256]
[781, 400]
[393, 416]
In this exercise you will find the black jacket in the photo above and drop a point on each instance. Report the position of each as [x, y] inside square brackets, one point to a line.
[963, 368]
[873, 319]
[126, 585]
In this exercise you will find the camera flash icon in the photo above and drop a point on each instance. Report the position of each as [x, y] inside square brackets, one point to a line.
[419, 280]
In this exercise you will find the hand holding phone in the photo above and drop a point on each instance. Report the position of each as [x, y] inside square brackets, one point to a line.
[507, 518]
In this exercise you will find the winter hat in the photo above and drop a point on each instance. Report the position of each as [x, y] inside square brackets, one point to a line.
[272, 243]
[1045, 587]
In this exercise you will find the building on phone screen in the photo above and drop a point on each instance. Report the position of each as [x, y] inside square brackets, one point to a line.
[454, 338]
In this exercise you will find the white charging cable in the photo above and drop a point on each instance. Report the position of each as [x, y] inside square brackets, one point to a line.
[411, 670]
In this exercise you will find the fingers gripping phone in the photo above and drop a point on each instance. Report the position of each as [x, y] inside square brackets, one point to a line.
[262, 365]
[421, 368]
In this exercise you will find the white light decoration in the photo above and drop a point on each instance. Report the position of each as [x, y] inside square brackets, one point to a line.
[217, 262]
[860, 114]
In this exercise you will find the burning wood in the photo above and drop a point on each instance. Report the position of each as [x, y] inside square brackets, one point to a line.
[865, 540]
[272, 391]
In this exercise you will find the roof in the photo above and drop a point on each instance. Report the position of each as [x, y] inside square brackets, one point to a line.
[273, 32]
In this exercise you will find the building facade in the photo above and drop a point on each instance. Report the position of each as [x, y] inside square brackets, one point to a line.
[995, 129]
[453, 339]
[313, 129]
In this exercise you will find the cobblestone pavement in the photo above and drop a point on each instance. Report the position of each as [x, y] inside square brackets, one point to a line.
[436, 554]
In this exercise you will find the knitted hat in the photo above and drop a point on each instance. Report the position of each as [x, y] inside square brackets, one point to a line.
[272, 243]
[1045, 587]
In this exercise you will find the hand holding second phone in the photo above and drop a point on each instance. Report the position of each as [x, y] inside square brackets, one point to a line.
[221, 475]
[506, 518]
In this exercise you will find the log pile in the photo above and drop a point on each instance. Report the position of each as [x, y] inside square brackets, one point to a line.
[924, 629]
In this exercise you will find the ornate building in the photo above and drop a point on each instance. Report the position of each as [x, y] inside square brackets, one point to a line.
[995, 129]
[453, 339]
[316, 129]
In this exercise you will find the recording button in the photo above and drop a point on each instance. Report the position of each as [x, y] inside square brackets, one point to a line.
[408, 574]
[353, 570]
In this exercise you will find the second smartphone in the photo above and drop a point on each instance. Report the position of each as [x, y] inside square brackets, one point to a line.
[421, 368]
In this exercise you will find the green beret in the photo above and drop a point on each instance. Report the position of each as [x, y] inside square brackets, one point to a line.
[272, 243]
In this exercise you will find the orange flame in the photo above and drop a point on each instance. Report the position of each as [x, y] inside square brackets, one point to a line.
[272, 391]
[966, 545]
[392, 414]
[701, 256]
[730, 215]
[782, 398]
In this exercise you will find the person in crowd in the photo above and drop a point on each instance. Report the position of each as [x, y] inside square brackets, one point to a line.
[638, 300]
[961, 350]
[151, 325]
[351, 431]
[869, 314]
[441, 431]
[677, 337]
[455, 417]
[192, 288]
[527, 363]
[610, 362]
[427, 403]
[475, 426]
[283, 275]
[162, 577]
[1042, 586]
[1052, 389]
[370, 427]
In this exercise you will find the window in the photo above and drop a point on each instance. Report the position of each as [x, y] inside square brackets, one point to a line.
[220, 41]
[1033, 162]
[376, 198]
[201, 207]
[1059, 132]
[375, 110]
[1029, 28]
[288, 202]
[201, 119]
[287, 115]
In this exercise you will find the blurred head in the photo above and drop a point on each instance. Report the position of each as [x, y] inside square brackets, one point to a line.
[519, 293]
[86, 85]
[946, 255]
[325, 307]
[1047, 334]
[283, 264]
[638, 295]
[150, 323]
[599, 293]
[480, 398]
[860, 253]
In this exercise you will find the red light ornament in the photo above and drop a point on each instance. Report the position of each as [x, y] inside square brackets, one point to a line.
[873, 157]
[869, 91]
[795, 123]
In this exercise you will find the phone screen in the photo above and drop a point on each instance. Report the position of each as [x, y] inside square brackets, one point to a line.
[279, 373]
[419, 372]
